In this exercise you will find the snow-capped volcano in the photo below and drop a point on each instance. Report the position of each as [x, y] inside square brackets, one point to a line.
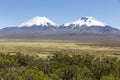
[87, 21]
[38, 21]
[87, 24]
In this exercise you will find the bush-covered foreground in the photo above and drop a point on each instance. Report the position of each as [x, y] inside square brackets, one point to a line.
[59, 67]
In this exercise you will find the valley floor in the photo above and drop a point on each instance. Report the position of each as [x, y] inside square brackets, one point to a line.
[26, 59]
[45, 48]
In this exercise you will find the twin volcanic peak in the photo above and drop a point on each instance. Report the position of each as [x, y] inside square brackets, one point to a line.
[44, 21]
[85, 24]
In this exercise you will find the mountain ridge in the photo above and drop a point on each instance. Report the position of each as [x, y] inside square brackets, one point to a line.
[85, 24]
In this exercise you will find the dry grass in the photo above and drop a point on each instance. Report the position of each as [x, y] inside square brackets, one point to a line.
[44, 48]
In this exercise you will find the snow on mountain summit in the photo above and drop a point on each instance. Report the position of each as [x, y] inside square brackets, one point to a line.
[88, 21]
[38, 21]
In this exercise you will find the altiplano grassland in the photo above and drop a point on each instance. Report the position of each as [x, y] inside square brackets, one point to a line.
[45, 48]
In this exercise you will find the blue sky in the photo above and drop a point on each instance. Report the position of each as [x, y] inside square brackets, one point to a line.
[15, 12]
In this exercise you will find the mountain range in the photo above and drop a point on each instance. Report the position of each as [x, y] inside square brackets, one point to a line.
[44, 28]
[85, 24]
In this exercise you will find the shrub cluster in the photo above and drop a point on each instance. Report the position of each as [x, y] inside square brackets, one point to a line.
[59, 67]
